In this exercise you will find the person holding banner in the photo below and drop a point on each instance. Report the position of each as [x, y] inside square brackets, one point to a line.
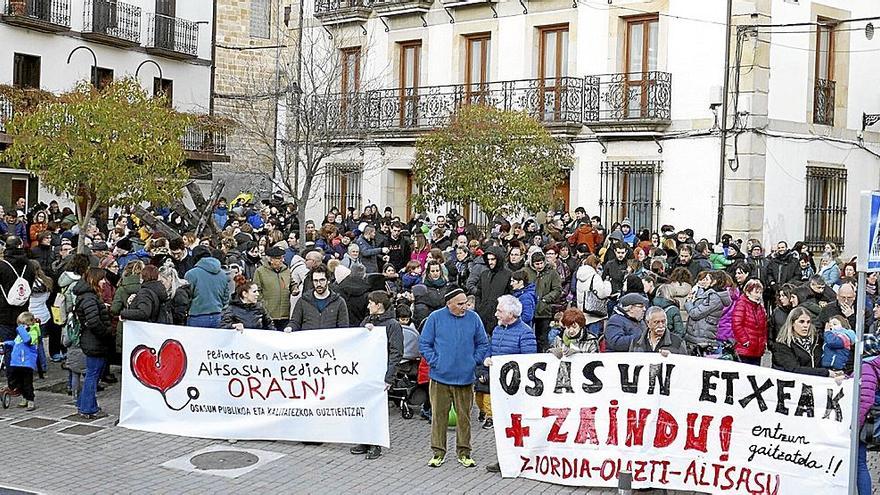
[382, 314]
[798, 348]
[322, 308]
[511, 336]
[453, 341]
[575, 336]
[245, 309]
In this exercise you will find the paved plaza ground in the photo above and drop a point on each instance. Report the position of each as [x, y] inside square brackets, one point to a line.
[54, 453]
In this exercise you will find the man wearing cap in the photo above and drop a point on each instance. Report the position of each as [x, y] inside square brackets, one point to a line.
[273, 279]
[815, 294]
[100, 250]
[626, 323]
[210, 286]
[453, 341]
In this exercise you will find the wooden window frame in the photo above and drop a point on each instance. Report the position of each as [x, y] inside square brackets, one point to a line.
[824, 116]
[556, 89]
[481, 84]
[643, 81]
[831, 32]
[409, 102]
[346, 53]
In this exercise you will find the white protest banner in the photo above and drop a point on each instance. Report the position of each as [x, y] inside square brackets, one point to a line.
[318, 386]
[680, 422]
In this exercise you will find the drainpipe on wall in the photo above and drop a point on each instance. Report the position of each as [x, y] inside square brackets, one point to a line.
[213, 56]
[722, 161]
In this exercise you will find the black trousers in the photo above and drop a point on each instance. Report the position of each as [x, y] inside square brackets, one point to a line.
[22, 379]
[542, 329]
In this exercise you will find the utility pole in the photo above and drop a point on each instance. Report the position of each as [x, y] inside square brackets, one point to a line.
[722, 160]
[297, 99]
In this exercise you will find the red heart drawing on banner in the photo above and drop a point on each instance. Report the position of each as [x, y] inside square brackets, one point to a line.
[160, 371]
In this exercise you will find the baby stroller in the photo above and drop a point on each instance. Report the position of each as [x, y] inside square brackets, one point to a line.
[405, 392]
[7, 393]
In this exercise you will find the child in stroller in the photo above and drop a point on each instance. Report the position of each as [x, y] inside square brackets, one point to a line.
[7, 393]
[404, 391]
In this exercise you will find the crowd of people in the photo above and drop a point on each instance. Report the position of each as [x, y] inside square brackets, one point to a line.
[552, 283]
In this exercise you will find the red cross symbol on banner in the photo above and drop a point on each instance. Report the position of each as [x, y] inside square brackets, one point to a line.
[516, 430]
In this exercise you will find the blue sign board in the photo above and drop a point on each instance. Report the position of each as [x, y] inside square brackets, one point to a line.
[869, 236]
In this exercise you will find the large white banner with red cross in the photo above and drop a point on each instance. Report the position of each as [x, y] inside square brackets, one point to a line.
[675, 422]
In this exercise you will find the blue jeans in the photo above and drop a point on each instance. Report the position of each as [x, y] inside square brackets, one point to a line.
[863, 480]
[87, 403]
[42, 363]
[204, 321]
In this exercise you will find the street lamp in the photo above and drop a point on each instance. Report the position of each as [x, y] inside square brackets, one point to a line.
[148, 61]
[94, 76]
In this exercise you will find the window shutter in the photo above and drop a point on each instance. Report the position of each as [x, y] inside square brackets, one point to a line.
[260, 18]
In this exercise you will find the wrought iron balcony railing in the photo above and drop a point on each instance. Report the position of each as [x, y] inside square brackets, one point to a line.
[204, 139]
[823, 102]
[627, 97]
[172, 36]
[45, 15]
[109, 20]
[5, 112]
[552, 101]
[342, 9]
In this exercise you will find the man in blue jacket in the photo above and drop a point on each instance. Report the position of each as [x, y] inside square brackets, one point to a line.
[626, 323]
[453, 341]
[210, 285]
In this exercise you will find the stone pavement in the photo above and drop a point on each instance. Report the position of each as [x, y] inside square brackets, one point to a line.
[54, 453]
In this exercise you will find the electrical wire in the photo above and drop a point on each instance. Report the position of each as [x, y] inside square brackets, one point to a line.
[807, 49]
[611, 6]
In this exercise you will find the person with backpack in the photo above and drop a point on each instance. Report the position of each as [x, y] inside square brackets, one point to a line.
[16, 280]
[591, 295]
[94, 322]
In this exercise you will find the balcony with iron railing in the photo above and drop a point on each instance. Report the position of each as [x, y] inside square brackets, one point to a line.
[205, 142]
[389, 8]
[557, 102]
[342, 11]
[172, 37]
[634, 101]
[621, 103]
[823, 102]
[111, 22]
[51, 16]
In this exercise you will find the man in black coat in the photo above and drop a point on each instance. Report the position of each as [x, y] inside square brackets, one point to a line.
[494, 283]
[615, 268]
[783, 267]
[399, 247]
[382, 314]
[13, 265]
